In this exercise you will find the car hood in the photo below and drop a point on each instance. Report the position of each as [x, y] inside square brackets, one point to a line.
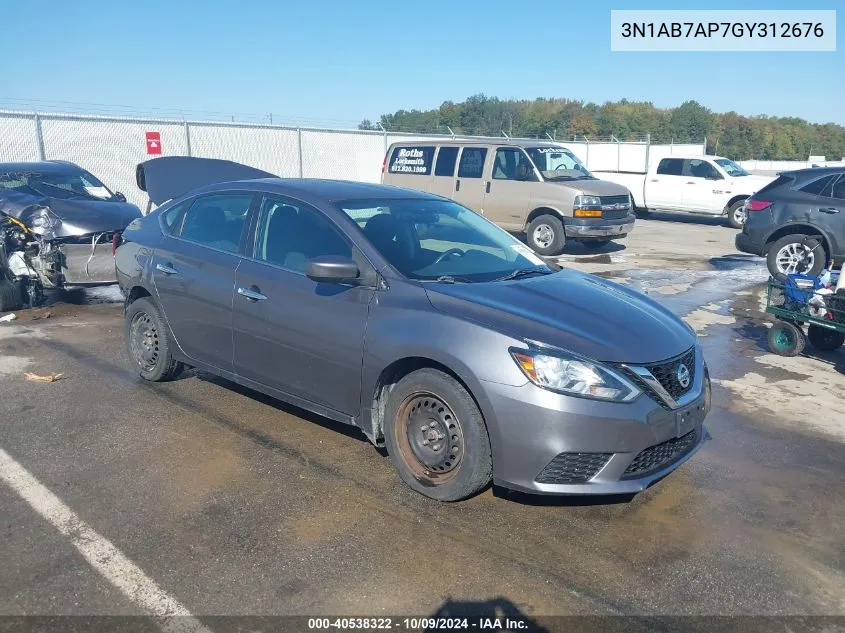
[68, 218]
[577, 312]
[752, 183]
[593, 187]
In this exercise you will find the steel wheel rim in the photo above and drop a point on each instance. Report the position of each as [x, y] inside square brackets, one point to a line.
[783, 339]
[430, 437]
[790, 255]
[144, 341]
[740, 214]
[543, 235]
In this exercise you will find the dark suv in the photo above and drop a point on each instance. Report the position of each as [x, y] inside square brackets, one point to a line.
[791, 217]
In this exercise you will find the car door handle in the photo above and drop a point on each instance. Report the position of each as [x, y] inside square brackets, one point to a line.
[690, 182]
[487, 188]
[253, 294]
[655, 180]
[457, 185]
[829, 210]
[166, 269]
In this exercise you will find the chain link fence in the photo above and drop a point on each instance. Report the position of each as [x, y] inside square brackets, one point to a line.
[110, 146]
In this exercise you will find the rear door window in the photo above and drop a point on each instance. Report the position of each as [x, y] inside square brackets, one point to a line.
[838, 189]
[670, 167]
[217, 221]
[446, 159]
[412, 160]
[472, 162]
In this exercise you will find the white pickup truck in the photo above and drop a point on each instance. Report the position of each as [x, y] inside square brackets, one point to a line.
[708, 185]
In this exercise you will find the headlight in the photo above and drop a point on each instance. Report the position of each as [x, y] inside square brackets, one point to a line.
[587, 201]
[573, 375]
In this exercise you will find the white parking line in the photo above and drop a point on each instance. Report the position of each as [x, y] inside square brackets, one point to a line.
[115, 567]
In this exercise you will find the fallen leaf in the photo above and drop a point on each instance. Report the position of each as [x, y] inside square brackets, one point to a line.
[43, 377]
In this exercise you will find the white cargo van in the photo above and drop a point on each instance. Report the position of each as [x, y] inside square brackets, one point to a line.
[536, 187]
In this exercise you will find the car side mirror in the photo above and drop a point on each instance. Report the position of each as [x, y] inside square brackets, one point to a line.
[716, 176]
[331, 269]
[119, 196]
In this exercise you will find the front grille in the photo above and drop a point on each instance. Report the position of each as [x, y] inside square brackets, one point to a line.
[573, 468]
[667, 373]
[615, 200]
[615, 214]
[661, 455]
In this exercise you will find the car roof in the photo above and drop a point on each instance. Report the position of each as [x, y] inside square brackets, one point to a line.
[515, 142]
[813, 171]
[49, 166]
[330, 190]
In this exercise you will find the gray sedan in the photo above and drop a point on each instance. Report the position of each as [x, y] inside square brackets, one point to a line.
[416, 320]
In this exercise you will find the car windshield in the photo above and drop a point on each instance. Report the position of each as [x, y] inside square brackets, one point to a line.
[558, 163]
[439, 240]
[56, 184]
[731, 167]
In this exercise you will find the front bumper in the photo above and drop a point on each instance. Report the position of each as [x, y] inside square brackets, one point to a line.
[598, 227]
[628, 446]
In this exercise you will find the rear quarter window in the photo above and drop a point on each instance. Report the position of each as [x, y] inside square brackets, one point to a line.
[780, 181]
[411, 159]
[819, 186]
[670, 166]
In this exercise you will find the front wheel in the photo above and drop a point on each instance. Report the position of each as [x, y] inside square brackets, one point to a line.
[148, 343]
[824, 339]
[737, 214]
[436, 437]
[546, 235]
[786, 339]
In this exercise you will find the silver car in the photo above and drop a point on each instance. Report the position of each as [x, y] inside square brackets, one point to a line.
[432, 330]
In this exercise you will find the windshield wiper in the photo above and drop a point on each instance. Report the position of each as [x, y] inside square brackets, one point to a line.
[524, 272]
[449, 279]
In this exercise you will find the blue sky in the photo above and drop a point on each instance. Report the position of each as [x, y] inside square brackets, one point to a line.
[336, 63]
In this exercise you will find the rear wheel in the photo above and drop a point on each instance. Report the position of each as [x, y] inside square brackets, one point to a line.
[825, 339]
[737, 215]
[546, 235]
[436, 436]
[148, 342]
[796, 253]
[786, 339]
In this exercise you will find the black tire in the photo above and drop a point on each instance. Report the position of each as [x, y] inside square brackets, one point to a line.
[594, 245]
[11, 297]
[735, 210]
[794, 243]
[786, 339]
[825, 339]
[423, 410]
[546, 235]
[148, 342]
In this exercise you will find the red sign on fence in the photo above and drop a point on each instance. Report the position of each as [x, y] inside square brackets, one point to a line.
[153, 143]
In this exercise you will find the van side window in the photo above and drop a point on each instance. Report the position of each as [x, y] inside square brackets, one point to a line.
[412, 160]
[512, 164]
[446, 159]
[472, 162]
[670, 166]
